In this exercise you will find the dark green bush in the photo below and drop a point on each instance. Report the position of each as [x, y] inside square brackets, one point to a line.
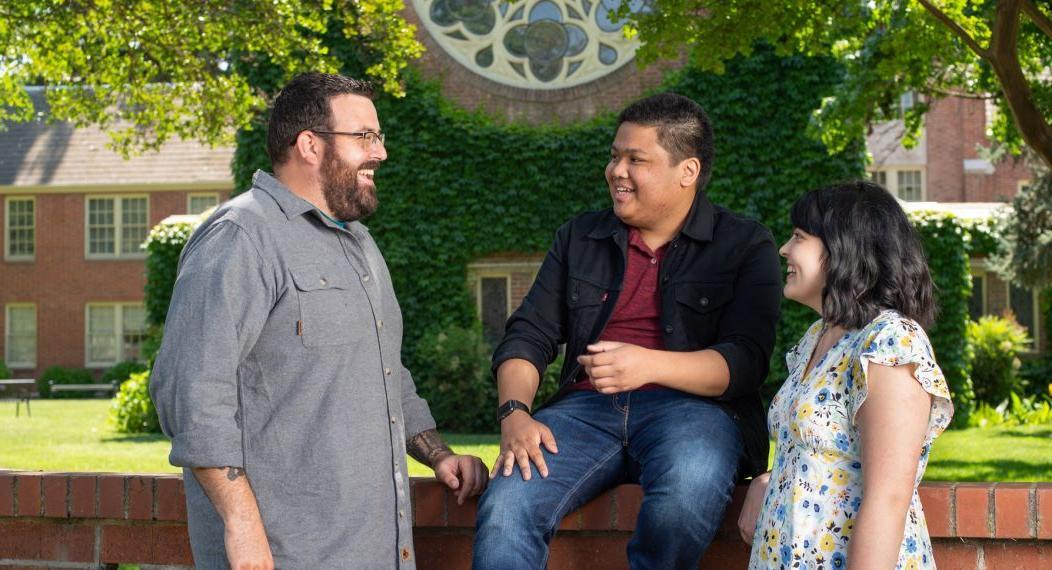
[132, 410]
[996, 343]
[455, 380]
[4, 372]
[121, 371]
[61, 375]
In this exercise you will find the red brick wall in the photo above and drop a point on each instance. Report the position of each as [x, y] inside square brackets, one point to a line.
[84, 520]
[61, 281]
[954, 128]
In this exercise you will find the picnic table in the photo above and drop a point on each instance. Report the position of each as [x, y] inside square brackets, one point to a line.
[110, 388]
[21, 389]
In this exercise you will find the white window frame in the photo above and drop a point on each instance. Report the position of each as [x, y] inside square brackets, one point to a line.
[1035, 335]
[7, 335]
[118, 315]
[8, 256]
[118, 205]
[891, 175]
[190, 198]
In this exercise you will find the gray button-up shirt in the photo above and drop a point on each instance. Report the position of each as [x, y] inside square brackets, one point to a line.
[281, 355]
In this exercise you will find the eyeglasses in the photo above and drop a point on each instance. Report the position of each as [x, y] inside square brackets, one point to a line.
[371, 137]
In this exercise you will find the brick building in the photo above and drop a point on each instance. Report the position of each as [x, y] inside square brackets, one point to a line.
[72, 213]
[72, 217]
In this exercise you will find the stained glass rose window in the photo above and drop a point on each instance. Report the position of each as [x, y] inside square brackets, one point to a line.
[534, 44]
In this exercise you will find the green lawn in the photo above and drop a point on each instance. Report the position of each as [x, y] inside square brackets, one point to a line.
[72, 435]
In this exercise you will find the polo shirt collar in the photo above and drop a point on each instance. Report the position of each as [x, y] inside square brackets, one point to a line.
[701, 221]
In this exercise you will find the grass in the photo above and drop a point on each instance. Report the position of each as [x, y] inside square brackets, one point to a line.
[73, 435]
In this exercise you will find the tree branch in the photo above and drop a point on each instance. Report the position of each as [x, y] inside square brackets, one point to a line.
[1038, 17]
[956, 29]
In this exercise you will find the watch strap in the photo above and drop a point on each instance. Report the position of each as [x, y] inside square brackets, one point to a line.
[510, 406]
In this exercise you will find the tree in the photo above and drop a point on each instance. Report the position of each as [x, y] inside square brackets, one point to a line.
[148, 70]
[1000, 49]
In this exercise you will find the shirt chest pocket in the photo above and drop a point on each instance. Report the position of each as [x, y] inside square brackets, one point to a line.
[583, 302]
[701, 306]
[329, 303]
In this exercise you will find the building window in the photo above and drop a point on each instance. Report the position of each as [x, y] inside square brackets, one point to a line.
[1024, 185]
[21, 228]
[977, 302]
[116, 226]
[20, 336]
[114, 333]
[493, 306]
[1024, 304]
[905, 183]
[907, 101]
[198, 203]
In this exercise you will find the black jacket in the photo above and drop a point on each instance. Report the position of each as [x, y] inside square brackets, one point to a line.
[720, 289]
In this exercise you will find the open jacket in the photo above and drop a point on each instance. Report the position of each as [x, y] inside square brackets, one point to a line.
[720, 284]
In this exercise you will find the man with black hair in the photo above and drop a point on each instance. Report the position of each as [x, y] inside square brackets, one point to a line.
[667, 305]
[280, 378]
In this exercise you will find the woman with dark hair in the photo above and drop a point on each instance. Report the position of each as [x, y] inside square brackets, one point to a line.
[855, 420]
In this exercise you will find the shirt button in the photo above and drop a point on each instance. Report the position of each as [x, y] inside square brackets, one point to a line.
[387, 371]
[401, 513]
[668, 329]
[380, 324]
[653, 261]
[664, 279]
[394, 419]
[365, 278]
[704, 301]
[323, 281]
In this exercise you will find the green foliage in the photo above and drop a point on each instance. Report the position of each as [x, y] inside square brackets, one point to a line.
[163, 246]
[132, 410]
[122, 371]
[150, 71]
[61, 375]
[455, 379]
[996, 343]
[946, 245]
[4, 372]
[1024, 236]
[887, 47]
[1013, 411]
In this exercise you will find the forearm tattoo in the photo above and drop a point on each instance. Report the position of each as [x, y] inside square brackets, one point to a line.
[232, 473]
[427, 447]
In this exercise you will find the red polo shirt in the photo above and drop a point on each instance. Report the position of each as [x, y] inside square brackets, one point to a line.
[637, 315]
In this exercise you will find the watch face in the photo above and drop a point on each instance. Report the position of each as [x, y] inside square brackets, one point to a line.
[533, 44]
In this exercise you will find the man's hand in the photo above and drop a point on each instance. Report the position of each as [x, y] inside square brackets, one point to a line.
[751, 509]
[465, 474]
[616, 367]
[246, 545]
[521, 437]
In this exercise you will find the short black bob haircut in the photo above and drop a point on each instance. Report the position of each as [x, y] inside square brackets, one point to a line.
[304, 103]
[683, 129]
[874, 258]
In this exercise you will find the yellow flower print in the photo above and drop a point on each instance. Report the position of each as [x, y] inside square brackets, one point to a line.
[911, 563]
[848, 528]
[906, 340]
[839, 477]
[827, 544]
[805, 411]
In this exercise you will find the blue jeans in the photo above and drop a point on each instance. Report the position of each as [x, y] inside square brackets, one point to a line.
[682, 450]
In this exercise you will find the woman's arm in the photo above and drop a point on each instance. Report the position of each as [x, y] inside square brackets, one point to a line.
[893, 421]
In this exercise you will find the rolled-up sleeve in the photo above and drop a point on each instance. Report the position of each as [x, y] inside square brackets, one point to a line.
[415, 411]
[222, 296]
[535, 330]
[748, 325]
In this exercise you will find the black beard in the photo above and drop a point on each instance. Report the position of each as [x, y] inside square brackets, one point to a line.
[345, 199]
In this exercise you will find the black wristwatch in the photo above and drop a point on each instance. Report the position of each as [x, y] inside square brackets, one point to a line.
[510, 406]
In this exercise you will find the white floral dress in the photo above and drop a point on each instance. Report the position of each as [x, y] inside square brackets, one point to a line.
[815, 488]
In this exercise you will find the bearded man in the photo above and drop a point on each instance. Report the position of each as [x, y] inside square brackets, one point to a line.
[280, 378]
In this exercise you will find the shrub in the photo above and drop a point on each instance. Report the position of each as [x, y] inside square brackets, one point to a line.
[121, 371]
[455, 380]
[996, 343]
[132, 410]
[60, 375]
[4, 372]
[1014, 411]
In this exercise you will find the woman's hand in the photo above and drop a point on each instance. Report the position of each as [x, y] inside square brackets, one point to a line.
[751, 509]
